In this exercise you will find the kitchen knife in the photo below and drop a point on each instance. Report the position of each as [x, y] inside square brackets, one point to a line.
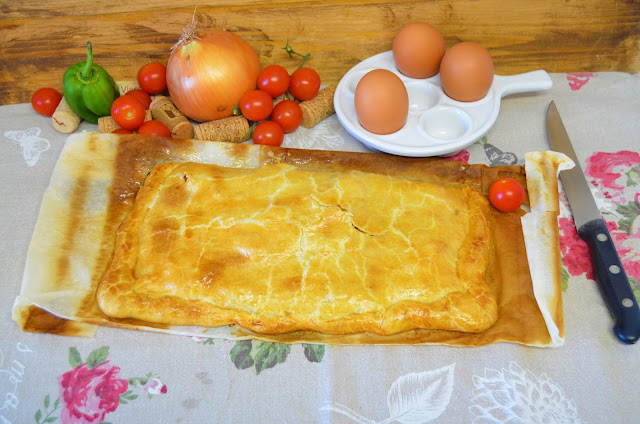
[609, 272]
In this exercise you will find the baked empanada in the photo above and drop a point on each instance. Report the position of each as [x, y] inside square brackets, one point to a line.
[278, 249]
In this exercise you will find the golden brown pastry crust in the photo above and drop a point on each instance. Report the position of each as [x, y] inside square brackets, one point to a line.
[97, 177]
[282, 248]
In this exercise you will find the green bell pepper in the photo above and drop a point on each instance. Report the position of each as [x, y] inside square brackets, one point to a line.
[89, 89]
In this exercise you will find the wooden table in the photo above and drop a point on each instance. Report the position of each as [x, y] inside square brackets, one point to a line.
[40, 39]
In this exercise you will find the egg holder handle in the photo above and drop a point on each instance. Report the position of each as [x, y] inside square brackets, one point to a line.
[503, 85]
[521, 83]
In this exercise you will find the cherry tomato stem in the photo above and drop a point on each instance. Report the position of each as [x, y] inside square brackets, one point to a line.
[292, 52]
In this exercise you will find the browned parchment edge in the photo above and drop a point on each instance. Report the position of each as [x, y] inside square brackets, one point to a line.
[138, 154]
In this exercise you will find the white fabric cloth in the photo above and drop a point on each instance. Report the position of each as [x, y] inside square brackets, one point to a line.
[152, 377]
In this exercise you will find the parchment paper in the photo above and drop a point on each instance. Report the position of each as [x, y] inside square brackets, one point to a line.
[97, 176]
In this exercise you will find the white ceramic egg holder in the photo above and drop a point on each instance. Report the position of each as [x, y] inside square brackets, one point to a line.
[436, 124]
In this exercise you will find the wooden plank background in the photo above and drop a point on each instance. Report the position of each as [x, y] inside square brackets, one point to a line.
[40, 39]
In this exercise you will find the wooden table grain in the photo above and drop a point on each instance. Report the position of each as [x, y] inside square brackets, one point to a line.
[40, 39]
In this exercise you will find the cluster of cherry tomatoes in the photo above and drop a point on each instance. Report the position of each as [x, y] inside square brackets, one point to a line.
[257, 105]
[129, 111]
[270, 122]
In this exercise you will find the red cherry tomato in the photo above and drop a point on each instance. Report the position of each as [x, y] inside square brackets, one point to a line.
[288, 115]
[153, 127]
[142, 96]
[304, 84]
[256, 105]
[273, 79]
[121, 131]
[506, 194]
[269, 133]
[46, 100]
[152, 78]
[128, 112]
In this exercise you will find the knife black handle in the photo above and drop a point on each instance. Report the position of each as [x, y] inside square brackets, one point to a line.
[612, 280]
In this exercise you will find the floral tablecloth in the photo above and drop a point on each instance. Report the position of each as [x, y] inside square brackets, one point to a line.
[122, 376]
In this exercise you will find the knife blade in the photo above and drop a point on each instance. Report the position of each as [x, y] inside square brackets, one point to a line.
[610, 275]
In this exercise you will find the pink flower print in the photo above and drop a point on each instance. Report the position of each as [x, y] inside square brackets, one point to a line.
[577, 258]
[461, 156]
[631, 262]
[579, 79]
[155, 387]
[604, 167]
[617, 176]
[87, 395]
[575, 252]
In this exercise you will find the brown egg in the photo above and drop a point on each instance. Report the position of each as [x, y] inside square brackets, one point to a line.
[466, 72]
[381, 101]
[418, 49]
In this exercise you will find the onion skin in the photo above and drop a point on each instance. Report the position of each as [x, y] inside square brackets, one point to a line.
[207, 76]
